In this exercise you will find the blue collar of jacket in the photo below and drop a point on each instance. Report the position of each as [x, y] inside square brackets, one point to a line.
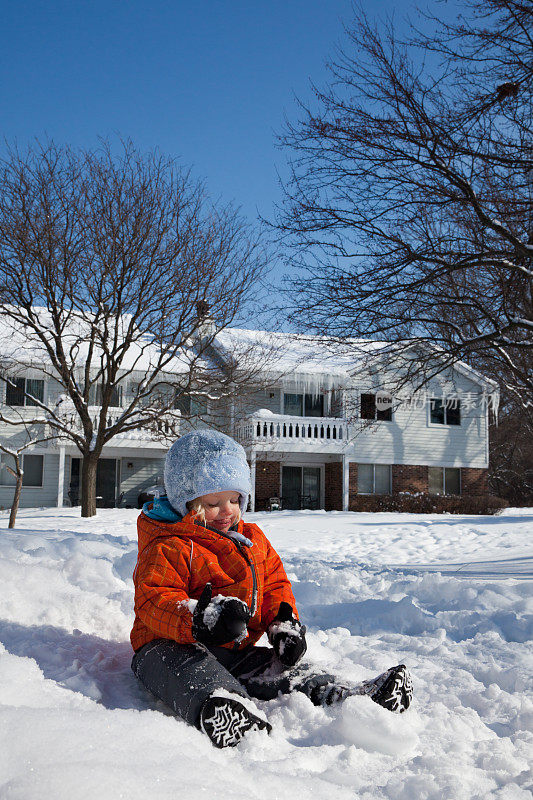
[161, 510]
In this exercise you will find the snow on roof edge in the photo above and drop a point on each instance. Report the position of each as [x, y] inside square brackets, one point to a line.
[366, 345]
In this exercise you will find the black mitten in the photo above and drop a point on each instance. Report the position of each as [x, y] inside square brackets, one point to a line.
[287, 636]
[220, 620]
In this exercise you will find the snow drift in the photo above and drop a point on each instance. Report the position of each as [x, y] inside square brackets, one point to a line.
[448, 596]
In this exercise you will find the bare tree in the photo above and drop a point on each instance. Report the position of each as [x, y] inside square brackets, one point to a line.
[510, 441]
[108, 263]
[511, 455]
[408, 210]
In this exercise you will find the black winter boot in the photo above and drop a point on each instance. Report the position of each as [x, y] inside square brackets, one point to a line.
[226, 721]
[392, 689]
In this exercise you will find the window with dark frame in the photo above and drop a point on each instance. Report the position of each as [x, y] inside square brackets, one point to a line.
[199, 406]
[183, 403]
[33, 470]
[376, 407]
[445, 412]
[115, 400]
[6, 478]
[453, 411]
[313, 405]
[368, 406]
[15, 390]
[303, 405]
[24, 391]
[374, 479]
[444, 480]
[34, 391]
[32, 466]
[336, 404]
[191, 406]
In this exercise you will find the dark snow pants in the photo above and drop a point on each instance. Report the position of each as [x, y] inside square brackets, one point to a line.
[184, 676]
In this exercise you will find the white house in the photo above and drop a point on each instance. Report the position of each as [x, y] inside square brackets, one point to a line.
[324, 429]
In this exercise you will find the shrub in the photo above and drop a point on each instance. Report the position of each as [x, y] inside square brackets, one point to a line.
[428, 504]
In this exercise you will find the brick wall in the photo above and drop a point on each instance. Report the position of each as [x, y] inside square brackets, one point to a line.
[405, 478]
[333, 486]
[409, 478]
[474, 481]
[267, 482]
[352, 484]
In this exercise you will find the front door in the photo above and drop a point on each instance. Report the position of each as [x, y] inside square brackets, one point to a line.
[300, 487]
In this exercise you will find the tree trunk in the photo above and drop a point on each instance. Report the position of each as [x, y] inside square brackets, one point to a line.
[15, 503]
[89, 464]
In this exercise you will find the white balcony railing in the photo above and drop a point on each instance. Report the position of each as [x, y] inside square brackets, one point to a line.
[160, 432]
[306, 433]
[167, 425]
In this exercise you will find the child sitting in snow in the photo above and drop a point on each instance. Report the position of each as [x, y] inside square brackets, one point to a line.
[207, 587]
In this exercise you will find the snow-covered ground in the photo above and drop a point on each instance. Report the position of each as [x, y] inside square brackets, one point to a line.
[448, 595]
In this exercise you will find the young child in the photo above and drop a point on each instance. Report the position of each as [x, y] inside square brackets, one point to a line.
[207, 587]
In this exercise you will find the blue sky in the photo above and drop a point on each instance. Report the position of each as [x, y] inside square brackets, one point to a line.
[207, 82]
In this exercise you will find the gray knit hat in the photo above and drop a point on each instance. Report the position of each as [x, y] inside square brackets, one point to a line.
[204, 462]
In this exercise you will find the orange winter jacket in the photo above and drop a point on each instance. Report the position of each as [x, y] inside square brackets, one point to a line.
[177, 559]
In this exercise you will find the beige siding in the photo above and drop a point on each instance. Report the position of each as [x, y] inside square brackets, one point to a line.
[137, 474]
[35, 497]
[260, 399]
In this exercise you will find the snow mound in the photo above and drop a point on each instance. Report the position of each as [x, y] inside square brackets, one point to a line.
[435, 593]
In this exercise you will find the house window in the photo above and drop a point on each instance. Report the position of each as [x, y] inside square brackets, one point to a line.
[336, 409]
[24, 391]
[373, 479]
[303, 405]
[6, 478]
[33, 470]
[32, 466]
[444, 480]
[95, 395]
[183, 403]
[191, 406]
[293, 405]
[135, 389]
[376, 406]
[445, 412]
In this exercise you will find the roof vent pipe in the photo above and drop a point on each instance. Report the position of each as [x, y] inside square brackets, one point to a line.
[206, 326]
[202, 309]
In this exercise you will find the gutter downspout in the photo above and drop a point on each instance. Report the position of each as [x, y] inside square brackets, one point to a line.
[252, 471]
[61, 477]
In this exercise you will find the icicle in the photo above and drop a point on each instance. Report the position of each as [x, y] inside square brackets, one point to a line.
[312, 383]
[315, 384]
[494, 405]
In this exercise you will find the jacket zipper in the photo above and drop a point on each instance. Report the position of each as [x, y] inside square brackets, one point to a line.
[250, 563]
[241, 550]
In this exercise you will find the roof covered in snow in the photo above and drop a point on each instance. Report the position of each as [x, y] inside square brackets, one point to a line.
[307, 359]
[297, 355]
[310, 362]
[21, 345]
